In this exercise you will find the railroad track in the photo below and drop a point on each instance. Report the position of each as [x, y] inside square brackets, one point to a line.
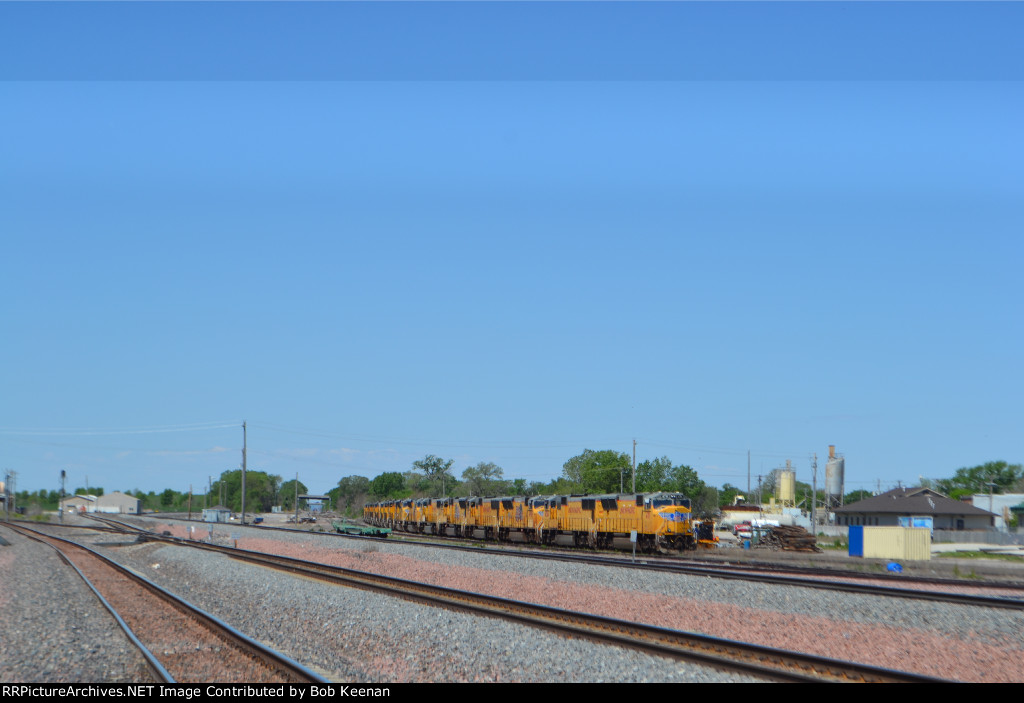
[179, 642]
[912, 588]
[762, 662]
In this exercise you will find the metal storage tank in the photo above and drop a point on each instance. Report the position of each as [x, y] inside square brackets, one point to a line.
[786, 486]
[834, 478]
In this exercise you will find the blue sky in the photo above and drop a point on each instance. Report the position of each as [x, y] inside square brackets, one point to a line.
[508, 232]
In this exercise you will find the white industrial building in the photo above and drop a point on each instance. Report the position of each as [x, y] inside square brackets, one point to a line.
[998, 504]
[116, 503]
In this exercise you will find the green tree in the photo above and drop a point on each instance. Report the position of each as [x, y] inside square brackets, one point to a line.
[683, 479]
[484, 479]
[652, 475]
[660, 475]
[855, 496]
[727, 494]
[976, 479]
[168, 497]
[705, 503]
[597, 471]
[387, 485]
[437, 472]
[351, 492]
[261, 490]
[286, 494]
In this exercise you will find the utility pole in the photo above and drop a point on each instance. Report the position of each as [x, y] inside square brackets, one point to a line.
[63, 475]
[814, 492]
[244, 447]
[190, 501]
[634, 466]
[296, 498]
[748, 472]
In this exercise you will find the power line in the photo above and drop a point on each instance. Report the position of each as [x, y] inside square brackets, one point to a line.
[81, 432]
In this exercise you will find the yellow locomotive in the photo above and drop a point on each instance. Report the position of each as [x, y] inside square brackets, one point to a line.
[661, 521]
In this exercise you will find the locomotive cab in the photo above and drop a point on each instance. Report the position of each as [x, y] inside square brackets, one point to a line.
[668, 516]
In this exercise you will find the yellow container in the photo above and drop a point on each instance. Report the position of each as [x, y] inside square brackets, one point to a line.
[906, 543]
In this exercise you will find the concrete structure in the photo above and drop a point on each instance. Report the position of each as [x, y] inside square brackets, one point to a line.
[835, 477]
[217, 513]
[885, 510]
[117, 502]
[999, 504]
[314, 504]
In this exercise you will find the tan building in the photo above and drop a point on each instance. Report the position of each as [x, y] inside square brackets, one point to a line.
[118, 502]
[78, 504]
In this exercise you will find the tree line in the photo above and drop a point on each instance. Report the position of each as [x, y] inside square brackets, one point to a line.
[592, 471]
[604, 471]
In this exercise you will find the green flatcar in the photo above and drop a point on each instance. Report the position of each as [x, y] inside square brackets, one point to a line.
[348, 528]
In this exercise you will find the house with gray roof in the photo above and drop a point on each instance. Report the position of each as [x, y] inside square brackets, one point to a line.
[887, 508]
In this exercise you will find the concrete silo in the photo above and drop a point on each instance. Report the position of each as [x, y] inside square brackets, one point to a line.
[835, 477]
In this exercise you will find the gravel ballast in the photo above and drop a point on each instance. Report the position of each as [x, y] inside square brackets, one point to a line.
[54, 629]
[935, 639]
[354, 635]
[351, 635]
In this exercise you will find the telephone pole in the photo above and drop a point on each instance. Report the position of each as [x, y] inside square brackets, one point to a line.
[634, 466]
[7, 490]
[244, 446]
[814, 492]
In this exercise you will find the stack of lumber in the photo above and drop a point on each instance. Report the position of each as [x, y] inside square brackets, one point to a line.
[790, 538]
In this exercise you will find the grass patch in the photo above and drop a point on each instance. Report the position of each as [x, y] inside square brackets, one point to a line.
[980, 555]
[836, 544]
[960, 574]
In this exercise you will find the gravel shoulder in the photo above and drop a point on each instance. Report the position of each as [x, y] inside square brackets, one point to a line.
[54, 629]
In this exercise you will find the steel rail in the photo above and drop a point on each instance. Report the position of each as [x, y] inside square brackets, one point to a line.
[764, 662]
[157, 669]
[829, 581]
[288, 668]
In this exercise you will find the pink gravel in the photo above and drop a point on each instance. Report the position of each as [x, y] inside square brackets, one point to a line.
[970, 658]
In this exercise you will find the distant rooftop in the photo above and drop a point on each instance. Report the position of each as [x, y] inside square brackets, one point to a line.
[922, 501]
